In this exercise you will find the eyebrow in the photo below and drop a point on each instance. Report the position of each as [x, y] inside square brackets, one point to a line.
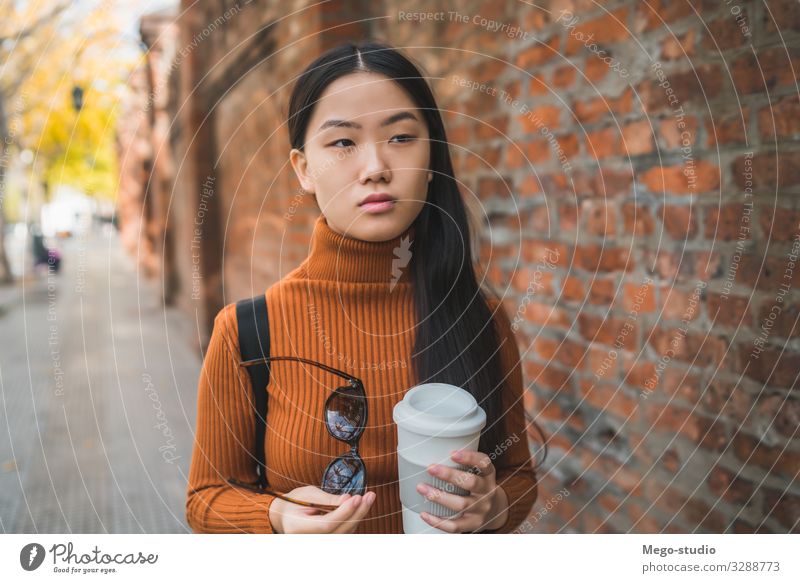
[342, 123]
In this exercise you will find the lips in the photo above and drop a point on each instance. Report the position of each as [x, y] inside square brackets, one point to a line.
[377, 197]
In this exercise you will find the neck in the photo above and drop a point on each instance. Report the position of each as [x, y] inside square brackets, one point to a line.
[337, 257]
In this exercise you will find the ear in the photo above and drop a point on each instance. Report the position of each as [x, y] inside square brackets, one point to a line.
[300, 166]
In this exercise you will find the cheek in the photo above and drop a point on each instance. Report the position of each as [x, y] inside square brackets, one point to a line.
[333, 174]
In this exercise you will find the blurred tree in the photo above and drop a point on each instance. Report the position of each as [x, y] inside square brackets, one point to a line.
[45, 54]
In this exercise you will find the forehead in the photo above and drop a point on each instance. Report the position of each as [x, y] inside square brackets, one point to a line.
[365, 97]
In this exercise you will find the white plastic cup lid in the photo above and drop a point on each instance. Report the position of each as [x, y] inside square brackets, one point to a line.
[439, 409]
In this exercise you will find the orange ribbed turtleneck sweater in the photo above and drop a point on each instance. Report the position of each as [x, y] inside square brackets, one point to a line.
[340, 307]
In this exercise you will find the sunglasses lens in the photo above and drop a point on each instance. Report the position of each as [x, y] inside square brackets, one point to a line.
[345, 411]
[344, 475]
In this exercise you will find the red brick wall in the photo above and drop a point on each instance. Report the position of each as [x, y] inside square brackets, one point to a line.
[634, 168]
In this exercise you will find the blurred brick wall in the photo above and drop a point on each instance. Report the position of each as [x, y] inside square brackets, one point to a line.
[633, 167]
[146, 169]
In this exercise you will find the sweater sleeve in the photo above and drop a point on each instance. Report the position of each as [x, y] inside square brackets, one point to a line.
[223, 444]
[514, 466]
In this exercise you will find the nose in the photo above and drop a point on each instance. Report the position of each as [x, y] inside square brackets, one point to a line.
[375, 167]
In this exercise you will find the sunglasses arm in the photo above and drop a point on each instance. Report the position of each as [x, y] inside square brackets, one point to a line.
[351, 379]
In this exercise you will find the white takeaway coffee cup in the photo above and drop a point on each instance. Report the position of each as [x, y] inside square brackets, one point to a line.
[433, 419]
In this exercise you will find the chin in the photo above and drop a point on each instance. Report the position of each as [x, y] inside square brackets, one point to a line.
[376, 229]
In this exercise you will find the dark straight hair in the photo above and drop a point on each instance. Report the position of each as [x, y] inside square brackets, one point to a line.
[456, 340]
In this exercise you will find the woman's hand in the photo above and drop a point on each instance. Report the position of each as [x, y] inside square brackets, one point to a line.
[486, 506]
[289, 518]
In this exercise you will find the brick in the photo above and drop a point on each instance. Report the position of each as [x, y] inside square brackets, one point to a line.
[565, 352]
[674, 419]
[595, 68]
[765, 71]
[640, 374]
[568, 217]
[612, 183]
[595, 109]
[546, 376]
[493, 188]
[606, 397]
[680, 304]
[639, 298]
[546, 315]
[692, 347]
[782, 15]
[601, 291]
[725, 484]
[637, 219]
[767, 172]
[497, 127]
[729, 310]
[774, 366]
[569, 144]
[725, 33]
[564, 77]
[679, 221]
[600, 217]
[782, 506]
[601, 364]
[545, 253]
[726, 399]
[684, 179]
[531, 187]
[675, 136]
[785, 326]
[637, 138]
[730, 222]
[538, 54]
[780, 224]
[545, 116]
[781, 413]
[597, 258]
[766, 273]
[677, 383]
[675, 47]
[728, 128]
[781, 119]
[573, 290]
[538, 86]
[657, 13]
[606, 29]
[700, 84]
[778, 460]
[615, 332]
[602, 143]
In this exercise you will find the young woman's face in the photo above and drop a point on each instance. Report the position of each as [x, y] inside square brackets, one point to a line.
[366, 136]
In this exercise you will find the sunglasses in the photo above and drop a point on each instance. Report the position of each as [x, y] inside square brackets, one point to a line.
[345, 419]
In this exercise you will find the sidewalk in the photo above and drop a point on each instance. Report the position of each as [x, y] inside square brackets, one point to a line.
[98, 392]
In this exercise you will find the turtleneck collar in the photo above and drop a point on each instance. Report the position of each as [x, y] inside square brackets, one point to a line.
[341, 258]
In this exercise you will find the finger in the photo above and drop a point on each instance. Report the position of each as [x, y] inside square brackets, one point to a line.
[318, 496]
[451, 501]
[465, 480]
[478, 459]
[450, 525]
[367, 500]
[327, 523]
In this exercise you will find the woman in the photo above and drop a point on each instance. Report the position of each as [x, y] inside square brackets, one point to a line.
[389, 294]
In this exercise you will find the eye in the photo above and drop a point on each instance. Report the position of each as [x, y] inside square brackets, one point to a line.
[405, 138]
[349, 145]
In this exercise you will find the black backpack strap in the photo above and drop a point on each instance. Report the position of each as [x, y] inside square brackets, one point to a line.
[253, 321]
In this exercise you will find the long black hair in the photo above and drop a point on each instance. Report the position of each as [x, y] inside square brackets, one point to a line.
[456, 341]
